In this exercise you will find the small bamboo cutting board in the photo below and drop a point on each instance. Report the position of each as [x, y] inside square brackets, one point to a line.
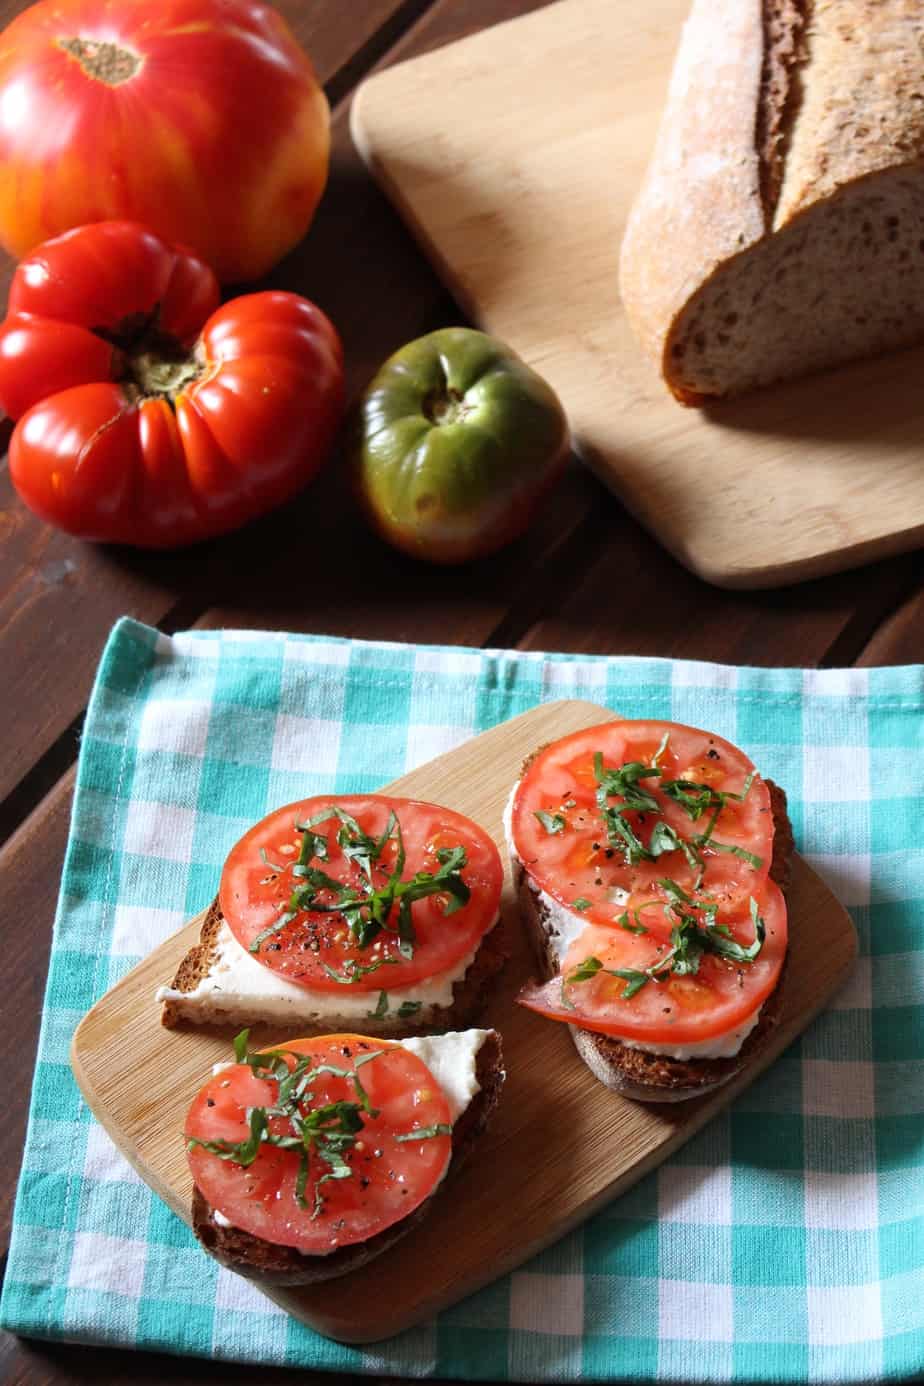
[514, 156]
[561, 1146]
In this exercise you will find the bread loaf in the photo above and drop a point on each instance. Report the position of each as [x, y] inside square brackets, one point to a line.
[780, 226]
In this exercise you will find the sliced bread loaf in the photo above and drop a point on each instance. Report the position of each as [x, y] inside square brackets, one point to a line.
[780, 226]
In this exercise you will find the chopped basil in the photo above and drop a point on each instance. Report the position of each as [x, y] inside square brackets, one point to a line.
[695, 934]
[585, 970]
[552, 822]
[368, 910]
[581, 903]
[281, 922]
[634, 980]
[328, 1130]
[426, 1133]
[353, 971]
[735, 851]
[381, 1010]
[696, 799]
[624, 784]
[408, 1008]
[624, 923]
[591, 966]
[266, 861]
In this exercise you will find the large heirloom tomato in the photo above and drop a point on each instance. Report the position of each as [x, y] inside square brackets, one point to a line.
[201, 118]
[458, 439]
[149, 415]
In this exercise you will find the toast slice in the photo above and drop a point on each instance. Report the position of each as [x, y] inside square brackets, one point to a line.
[202, 992]
[636, 1073]
[283, 1265]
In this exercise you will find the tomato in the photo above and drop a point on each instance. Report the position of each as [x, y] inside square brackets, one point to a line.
[457, 441]
[675, 1009]
[581, 859]
[149, 415]
[201, 118]
[388, 1177]
[307, 945]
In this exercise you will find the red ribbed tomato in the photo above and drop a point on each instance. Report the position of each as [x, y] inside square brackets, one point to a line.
[149, 415]
[201, 118]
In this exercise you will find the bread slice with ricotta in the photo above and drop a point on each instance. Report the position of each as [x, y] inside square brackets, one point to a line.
[219, 983]
[634, 1072]
[469, 1068]
[779, 229]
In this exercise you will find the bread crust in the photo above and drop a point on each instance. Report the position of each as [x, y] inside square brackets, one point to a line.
[657, 1077]
[469, 993]
[701, 194]
[283, 1265]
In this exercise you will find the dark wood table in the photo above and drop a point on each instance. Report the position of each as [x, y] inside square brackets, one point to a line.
[586, 578]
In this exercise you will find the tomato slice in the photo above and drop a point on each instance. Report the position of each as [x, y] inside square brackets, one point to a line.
[578, 860]
[675, 1010]
[388, 1178]
[310, 945]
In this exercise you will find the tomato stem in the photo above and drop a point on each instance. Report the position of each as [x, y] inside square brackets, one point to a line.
[104, 62]
[445, 407]
[159, 375]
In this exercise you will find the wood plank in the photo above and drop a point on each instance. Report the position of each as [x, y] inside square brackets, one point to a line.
[524, 217]
[545, 1178]
[30, 869]
[900, 638]
[60, 597]
[358, 586]
[636, 599]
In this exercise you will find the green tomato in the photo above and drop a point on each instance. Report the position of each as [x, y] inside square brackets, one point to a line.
[456, 441]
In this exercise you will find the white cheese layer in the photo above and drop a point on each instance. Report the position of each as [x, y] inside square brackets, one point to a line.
[717, 1047]
[237, 987]
[452, 1059]
[565, 926]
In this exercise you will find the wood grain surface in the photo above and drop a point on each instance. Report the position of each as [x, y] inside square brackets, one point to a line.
[586, 578]
[524, 216]
[546, 1175]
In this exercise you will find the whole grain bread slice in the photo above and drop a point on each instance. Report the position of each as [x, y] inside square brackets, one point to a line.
[779, 229]
[283, 1265]
[469, 993]
[656, 1077]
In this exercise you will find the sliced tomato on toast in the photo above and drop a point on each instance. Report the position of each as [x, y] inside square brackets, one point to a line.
[623, 984]
[602, 816]
[363, 1172]
[361, 891]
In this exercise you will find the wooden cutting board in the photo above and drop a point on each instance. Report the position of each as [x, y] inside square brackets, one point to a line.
[514, 156]
[561, 1146]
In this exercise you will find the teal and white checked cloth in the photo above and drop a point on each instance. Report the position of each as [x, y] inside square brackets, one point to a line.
[784, 1244]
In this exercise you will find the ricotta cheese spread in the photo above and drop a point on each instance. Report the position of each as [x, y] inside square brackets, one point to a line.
[565, 926]
[452, 1059]
[237, 987]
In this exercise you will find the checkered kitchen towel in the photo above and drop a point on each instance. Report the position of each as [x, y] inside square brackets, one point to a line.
[785, 1243]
